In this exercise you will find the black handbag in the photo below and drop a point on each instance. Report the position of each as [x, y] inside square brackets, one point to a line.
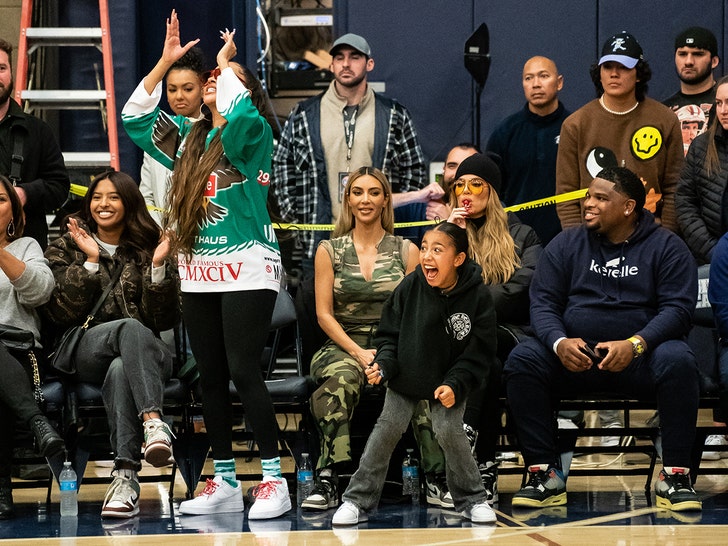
[23, 341]
[62, 359]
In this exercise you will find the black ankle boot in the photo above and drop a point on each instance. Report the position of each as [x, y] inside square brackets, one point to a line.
[6, 498]
[47, 441]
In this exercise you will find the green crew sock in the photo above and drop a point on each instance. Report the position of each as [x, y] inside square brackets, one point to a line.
[226, 470]
[272, 467]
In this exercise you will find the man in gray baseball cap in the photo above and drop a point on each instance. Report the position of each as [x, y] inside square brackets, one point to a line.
[326, 137]
[354, 41]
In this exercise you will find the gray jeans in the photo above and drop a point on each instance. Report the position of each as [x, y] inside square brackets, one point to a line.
[461, 471]
[132, 365]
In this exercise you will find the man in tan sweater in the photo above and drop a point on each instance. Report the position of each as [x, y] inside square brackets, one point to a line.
[623, 127]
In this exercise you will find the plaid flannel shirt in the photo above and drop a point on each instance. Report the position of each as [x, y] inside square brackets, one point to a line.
[299, 180]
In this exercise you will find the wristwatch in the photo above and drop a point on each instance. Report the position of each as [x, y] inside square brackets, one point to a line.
[638, 348]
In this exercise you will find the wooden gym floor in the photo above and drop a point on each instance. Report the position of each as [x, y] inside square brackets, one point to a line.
[600, 510]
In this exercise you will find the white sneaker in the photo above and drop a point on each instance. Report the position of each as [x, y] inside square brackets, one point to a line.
[480, 513]
[271, 499]
[158, 443]
[715, 440]
[122, 497]
[437, 492]
[218, 497]
[349, 514]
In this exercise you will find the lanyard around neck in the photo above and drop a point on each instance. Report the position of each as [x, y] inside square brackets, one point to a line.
[350, 113]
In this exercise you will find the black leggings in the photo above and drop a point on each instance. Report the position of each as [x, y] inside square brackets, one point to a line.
[228, 332]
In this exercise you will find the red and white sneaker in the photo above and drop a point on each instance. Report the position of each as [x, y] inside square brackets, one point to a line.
[271, 499]
[218, 497]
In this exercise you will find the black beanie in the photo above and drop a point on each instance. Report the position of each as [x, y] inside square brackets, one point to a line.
[699, 38]
[482, 166]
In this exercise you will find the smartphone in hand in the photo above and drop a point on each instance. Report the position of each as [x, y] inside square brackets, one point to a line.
[593, 353]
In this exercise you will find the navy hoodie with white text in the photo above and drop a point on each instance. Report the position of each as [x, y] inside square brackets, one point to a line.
[585, 286]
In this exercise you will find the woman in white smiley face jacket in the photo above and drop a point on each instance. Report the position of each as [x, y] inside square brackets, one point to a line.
[507, 251]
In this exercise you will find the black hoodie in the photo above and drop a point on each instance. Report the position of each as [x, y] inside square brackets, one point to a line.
[426, 338]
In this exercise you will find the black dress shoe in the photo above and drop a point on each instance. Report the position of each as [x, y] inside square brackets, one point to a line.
[6, 499]
[47, 441]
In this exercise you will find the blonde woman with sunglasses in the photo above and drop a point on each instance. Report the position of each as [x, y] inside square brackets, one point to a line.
[507, 251]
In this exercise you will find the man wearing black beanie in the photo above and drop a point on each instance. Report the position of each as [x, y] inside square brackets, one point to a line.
[696, 56]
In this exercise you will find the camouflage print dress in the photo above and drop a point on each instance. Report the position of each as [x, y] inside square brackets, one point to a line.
[358, 307]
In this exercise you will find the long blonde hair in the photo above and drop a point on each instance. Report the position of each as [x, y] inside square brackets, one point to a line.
[491, 245]
[346, 221]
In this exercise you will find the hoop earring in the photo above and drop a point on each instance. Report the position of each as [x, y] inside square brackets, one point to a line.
[10, 230]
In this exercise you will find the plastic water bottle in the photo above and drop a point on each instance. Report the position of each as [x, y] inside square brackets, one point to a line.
[69, 490]
[411, 477]
[304, 478]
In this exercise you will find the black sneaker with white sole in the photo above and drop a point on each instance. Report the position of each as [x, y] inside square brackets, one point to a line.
[323, 496]
[438, 493]
[489, 477]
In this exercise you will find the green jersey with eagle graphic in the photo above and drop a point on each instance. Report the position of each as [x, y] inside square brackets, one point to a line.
[236, 248]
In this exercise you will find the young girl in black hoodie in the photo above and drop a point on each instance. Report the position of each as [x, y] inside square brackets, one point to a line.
[435, 341]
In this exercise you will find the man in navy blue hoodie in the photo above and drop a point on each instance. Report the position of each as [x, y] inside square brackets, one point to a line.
[611, 304]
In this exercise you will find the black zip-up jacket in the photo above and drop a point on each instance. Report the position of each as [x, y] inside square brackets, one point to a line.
[426, 339]
[699, 200]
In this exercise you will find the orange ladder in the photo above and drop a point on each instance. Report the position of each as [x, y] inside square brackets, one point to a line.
[31, 40]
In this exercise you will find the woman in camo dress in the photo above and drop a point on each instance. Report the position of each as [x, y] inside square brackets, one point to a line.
[355, 271]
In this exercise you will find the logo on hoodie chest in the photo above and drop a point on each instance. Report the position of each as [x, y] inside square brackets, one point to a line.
[614, 269]
[460, 325]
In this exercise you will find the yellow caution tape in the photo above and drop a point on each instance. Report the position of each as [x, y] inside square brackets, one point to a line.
[546, 201]
[79, 190]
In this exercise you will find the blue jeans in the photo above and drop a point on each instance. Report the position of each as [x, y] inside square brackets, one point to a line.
[536, 380]
[461, 471]
[132, 365]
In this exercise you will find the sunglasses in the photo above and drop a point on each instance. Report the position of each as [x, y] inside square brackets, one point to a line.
[476, 186]
[214, 73]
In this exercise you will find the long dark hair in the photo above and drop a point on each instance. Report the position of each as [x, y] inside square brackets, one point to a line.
[17, 208]
[193, 168]
[141, 233]
[712, 161]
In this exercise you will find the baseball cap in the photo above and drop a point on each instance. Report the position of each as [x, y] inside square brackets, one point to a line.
[352, 40]
[622, 48]
[698, 37]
